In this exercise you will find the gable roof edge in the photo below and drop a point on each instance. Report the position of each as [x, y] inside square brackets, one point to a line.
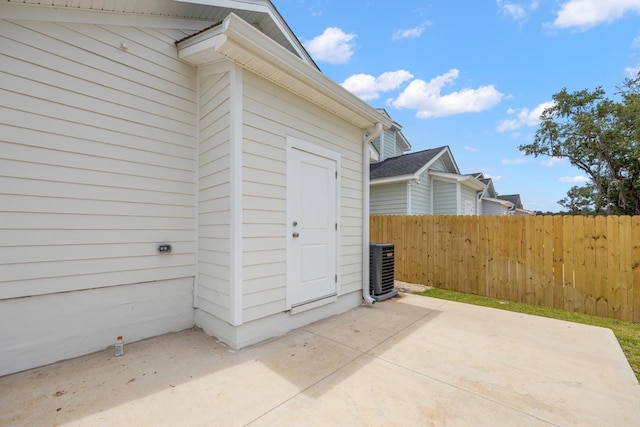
[431, 161]
[240, 42]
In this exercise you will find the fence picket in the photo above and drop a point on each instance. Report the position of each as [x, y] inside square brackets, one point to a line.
[584, 264]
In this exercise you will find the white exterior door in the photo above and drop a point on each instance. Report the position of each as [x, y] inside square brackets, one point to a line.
[312, 230]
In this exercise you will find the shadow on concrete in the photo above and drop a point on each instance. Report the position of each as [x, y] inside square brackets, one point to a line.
[190, 377]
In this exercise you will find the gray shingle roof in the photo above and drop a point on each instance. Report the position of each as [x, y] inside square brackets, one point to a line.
[513, 198]
[405, 164]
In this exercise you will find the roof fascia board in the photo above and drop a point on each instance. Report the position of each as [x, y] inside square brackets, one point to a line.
[254, 6]
[392, 180]
[240, 42]
[268, 8]
[34, 12]
[453, 161]
[404, 140]
[290, 35]
[467, 180]
[444, 176]
[498, 201]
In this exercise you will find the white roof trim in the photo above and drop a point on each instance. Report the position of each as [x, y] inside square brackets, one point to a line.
[505, 203]
[433, 160]
[525, 212]
[466, 180]
[392, 179]
[241, 43]
[266, 7]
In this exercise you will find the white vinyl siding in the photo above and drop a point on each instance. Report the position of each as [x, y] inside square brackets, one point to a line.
[388, 199]
[439, 166]
[468, 202]
[213, 197]
[444, 198]
[270, 114]
[97, 158]
[386, 144]
[493, 208]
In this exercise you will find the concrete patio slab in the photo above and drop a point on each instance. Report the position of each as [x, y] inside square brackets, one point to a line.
[407, 361]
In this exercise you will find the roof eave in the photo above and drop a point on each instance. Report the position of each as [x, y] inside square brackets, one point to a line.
[469, 181]
[238, 41]
[392, 179]
[505, 203]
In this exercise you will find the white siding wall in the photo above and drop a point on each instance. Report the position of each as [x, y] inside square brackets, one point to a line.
[421, 196]
[97, 161]
[468, 198]
[388, 199]
[444, 198]
[439, 166]
[214, 196]
[491, 208]
[270, 114]
[386, 144]
[96, 168]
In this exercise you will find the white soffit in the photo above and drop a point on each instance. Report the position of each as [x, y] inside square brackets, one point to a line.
[243, 44]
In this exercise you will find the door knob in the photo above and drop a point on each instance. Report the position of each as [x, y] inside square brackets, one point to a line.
[296, 234]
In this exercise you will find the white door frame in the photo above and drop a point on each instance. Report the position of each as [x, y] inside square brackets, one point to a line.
[294, 143]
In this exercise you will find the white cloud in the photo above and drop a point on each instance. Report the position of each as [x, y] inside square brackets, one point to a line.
[368, 87]
[518, 161]
[635, 44]
[632, 72]
[472, 149]
[516, 11]
[411, 33]
[553, 161]
[585, 14]
[333, 46]
[426, 97]
[524, 117]
[578, 179]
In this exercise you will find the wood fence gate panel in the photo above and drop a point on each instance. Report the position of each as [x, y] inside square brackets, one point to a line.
[578, 263]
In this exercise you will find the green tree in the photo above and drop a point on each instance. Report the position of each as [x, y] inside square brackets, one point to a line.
[580, 201]
[599, 136]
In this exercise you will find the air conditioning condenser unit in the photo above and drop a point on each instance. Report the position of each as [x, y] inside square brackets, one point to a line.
[381, 271]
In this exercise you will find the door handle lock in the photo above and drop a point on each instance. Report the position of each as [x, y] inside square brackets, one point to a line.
[296, 234]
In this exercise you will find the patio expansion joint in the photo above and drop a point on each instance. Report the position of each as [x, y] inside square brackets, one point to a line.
[481, 396]
[413, 371]
[301, 391]
[361, 353]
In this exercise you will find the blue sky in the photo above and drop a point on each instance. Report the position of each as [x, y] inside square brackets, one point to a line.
[474, 74]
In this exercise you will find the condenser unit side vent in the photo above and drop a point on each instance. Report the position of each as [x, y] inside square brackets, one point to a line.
[381, 271]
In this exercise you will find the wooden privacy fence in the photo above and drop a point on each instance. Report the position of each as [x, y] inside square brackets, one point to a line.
[577, 263]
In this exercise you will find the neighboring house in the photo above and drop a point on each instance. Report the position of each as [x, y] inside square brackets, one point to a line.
[516, 208]
[422, 183]
[490, 203]
[165, 164]
[391, 142]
